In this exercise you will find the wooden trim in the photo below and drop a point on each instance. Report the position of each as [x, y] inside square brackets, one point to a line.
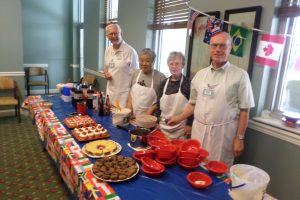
[12, 73]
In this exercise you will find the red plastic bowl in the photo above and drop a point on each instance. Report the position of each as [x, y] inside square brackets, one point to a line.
[166, 152]
[188, 154]
[156, 135]
[152, 165]
[191, 145]
[199, 180]
[216, 167]
[178, 143]
[157, 143]
[151, 173]
[203, 154]
[189, 161]
[188, 167]
[144, 153]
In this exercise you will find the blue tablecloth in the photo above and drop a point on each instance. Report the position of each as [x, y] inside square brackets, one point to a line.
[171, 185]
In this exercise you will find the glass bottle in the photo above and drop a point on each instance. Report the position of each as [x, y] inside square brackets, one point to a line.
[89, 100]
[101, 105]
[107, 105]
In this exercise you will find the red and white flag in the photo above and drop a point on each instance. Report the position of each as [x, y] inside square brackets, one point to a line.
[269, 50]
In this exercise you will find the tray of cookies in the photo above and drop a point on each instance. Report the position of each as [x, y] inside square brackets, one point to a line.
[115, 168]
[101, 148]
[79, 121]
[92, 132]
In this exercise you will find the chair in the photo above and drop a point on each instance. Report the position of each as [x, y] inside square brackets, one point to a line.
[90, 79]
[10, 94]
[36, 76]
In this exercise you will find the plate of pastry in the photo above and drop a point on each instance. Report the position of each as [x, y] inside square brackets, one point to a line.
[115, 168]
[101, 148]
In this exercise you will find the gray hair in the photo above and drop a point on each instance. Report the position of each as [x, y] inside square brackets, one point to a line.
[113, 25]
[227, 35]
[175, 54]
[148, 51]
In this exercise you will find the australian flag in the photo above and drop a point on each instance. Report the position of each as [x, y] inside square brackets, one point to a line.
[213, 26]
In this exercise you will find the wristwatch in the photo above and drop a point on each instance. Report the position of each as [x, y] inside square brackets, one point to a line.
[241, 137]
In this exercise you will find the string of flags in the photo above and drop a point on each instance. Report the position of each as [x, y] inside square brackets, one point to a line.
[269, 48]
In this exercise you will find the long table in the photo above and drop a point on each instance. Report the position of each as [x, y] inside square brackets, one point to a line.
[172, 184]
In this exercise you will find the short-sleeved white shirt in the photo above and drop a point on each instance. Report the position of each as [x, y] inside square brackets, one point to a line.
[238, 87]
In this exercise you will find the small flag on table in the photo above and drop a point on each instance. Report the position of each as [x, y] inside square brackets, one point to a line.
[213, 26]
[239, 38]
[269, 50]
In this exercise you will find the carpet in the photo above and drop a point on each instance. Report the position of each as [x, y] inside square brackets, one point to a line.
[26, 171]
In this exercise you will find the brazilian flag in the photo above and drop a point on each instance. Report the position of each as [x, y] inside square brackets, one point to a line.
[239, 38]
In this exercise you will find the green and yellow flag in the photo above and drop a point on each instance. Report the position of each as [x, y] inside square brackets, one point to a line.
[239, 38]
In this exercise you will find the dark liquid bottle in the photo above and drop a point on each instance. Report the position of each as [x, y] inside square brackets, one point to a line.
[107, 105]
[101, 105]
[77, 95]
[73, 93]
[89, 100]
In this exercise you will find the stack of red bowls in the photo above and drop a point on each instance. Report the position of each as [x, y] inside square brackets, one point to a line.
[190, 154]
[166, 154]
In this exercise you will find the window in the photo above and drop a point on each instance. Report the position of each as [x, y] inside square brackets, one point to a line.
[287, 93]
[112, 10]
[170, 21]
[111, 14]
[81, 35]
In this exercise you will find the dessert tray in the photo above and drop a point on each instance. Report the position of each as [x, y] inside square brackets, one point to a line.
[101, 148]
[79, 121]
[115, 168]
[90, 133]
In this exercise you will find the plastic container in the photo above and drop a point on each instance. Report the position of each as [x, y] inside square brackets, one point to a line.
[121, 117]
[248, 182]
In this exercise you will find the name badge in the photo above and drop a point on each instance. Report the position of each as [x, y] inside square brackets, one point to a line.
[111, 64]
[208, 92]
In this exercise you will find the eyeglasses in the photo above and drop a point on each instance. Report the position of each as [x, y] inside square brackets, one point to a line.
[222, 46]
[113, 34]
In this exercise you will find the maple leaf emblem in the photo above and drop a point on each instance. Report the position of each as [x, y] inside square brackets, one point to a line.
[268, 50]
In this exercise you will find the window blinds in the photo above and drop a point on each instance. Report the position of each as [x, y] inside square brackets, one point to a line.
[170, 14]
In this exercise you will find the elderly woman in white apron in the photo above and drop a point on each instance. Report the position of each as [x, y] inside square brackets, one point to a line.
[173, 96]
[145, 85]
[221, 96]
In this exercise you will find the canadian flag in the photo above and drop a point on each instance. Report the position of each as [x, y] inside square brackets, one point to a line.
[269, 50]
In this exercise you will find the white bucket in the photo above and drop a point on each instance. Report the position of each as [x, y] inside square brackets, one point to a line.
[121, 117]
[248, 182]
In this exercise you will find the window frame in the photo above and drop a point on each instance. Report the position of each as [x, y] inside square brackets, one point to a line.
[277, 77]
[168, 15]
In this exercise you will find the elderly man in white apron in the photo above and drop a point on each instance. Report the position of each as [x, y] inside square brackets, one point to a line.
[120, 61]
[145, 85]
[221, 96]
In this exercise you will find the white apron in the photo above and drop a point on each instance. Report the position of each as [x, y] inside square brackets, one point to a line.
[171, 105]
[118, 88]
[215, 123]
[142, 97]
